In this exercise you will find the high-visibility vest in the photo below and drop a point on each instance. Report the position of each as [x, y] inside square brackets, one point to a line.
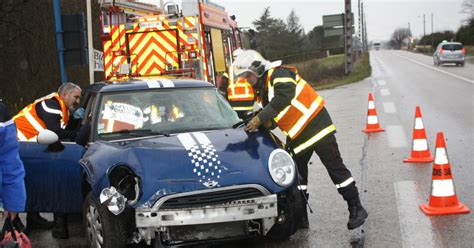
[305, 105]
[240, 95]
[29, 124]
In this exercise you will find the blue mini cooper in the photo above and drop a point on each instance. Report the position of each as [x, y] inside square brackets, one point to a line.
[166, 165]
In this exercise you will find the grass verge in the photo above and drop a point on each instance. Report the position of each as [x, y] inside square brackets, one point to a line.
[327, 73]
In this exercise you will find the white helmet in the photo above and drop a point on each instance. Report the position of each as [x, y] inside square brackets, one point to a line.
[249, 61]
[236, 52]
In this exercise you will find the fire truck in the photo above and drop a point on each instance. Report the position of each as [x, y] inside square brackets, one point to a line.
[191, 40]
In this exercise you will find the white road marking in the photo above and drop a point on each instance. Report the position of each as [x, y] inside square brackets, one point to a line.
[436, 69]
[385, 92]
[396, 136]
[382, 82]
[415, 226]
[389, 107]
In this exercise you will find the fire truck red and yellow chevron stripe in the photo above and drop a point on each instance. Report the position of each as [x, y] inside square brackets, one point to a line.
[149, 50]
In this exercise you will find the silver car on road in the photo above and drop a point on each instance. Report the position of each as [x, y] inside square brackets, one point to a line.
[449, 52]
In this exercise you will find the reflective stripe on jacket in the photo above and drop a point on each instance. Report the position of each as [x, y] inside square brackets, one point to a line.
[29, 124]
[241, 95]
[305, 121]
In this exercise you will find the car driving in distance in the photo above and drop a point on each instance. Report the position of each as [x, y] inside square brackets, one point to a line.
[449, 52]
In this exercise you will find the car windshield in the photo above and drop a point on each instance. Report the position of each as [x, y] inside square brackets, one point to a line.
[162, 112]
[452, 47]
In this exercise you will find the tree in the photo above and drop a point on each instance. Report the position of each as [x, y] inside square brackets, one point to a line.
[296, 33]
[468, 8]
[316, 38]
[465, 33]
[399, 37]
[263, 25]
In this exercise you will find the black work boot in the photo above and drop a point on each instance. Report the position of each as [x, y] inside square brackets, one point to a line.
[35, 221]
[357, 213]
[60, 229]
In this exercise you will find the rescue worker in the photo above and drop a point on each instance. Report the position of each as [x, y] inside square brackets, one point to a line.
[241, 96]
[12, 173]
[239, 92]
[51, 112]
[290, 103]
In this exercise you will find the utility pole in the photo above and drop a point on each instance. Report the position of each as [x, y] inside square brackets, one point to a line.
[409, 36]
[363, 24]
[358, 14]
[432, 38]
[58, 28]
[366, 42]
[424, 29]
[348, 36]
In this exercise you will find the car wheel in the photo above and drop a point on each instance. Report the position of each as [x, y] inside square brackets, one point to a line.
[462, 64]
[104, 229]
[287, 209]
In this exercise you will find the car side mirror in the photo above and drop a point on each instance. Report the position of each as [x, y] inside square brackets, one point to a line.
[47, 137]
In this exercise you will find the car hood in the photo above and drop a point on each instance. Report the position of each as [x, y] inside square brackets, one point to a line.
[185, 162]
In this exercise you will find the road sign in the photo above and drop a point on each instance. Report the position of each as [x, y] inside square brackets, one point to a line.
[98, 60]
[335, 31]
[330, 21]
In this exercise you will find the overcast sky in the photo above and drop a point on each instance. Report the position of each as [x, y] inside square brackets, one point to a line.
[383, 16]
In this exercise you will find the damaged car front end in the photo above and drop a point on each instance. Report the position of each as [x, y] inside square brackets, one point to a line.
[180, 174]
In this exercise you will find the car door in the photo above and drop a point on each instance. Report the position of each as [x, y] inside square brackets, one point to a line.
[53, 177]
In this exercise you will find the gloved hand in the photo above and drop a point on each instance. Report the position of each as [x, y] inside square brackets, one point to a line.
[79, 113]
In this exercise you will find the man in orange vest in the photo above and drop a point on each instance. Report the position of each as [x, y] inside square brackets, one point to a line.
[290, 103]
[50, 112]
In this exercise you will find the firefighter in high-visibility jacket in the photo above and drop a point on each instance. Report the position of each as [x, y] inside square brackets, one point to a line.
[290, 103]
[50, 112]
[241, 96]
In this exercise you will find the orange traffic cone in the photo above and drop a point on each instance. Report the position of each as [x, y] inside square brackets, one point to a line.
[420, 153]
[372, 120]
[443, 199]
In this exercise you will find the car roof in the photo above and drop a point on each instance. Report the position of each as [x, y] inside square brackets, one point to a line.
[146, 83]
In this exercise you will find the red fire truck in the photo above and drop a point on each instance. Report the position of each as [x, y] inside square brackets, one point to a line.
[193, 40]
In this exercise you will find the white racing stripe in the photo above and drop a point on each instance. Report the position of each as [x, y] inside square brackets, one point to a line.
[202, 138]
[186, 140]
[415, 227]
[435, 69]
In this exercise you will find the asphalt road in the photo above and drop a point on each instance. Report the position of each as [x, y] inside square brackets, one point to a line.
[390, 189]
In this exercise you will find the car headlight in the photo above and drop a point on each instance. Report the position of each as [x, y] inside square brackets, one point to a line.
[281, 167]
[126, 182]
[114, 201]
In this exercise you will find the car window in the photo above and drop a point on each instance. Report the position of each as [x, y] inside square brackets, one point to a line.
[452, 47]
[169, 111]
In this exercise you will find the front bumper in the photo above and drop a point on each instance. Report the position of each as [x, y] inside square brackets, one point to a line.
[264, 207]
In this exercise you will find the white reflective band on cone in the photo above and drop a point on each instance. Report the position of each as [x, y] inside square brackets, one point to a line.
[443, 188]
[371, 105]
[419, 123]
[372, 119]
[345, 183]
[420, 145]
[441, 156]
